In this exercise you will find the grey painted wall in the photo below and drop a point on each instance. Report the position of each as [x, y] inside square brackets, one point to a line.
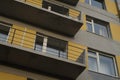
[97, 13]
[90, 75]
[118, 1]
[97, 42]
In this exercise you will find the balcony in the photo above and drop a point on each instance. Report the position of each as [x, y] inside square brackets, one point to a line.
[70, 2]
[46, 54]
[57, 18]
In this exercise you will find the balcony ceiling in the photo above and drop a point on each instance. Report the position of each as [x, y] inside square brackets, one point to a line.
[22, 57]
[42, 18]
[71, 2]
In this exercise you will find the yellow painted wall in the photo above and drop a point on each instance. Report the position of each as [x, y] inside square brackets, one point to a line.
[115, 31]
[75, 50]
[84, 23]
[6, 76]
[36, 2]
[111, 7]
[118, 63]
[22, 36]
[82, 0]
[29, 38]
[74, 13]
[17, 34]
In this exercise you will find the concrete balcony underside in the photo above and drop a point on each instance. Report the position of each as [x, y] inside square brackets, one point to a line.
[42, 18]
[39, 61]
[71, 2]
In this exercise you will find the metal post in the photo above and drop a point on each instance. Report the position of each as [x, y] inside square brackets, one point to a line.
[13, 36]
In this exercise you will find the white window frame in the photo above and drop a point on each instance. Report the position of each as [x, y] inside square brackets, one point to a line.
[90, 3]
[45, 39]
[98, 61]
[92, 23]
[93, 28]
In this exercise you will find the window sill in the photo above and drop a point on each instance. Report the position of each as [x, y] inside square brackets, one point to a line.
[104, 74]
[109, 38]
[96, 7]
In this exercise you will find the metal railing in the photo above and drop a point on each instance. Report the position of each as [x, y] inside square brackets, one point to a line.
[28, 40]
[71, 12]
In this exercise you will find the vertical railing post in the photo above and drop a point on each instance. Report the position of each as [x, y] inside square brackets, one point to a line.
[67, 50]
[59, 50]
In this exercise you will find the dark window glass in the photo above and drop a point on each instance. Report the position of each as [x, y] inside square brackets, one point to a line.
[89, 27]
[4, 30]
[39, 43]
[57, 47]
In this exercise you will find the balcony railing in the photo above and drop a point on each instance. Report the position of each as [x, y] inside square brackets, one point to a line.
[65, 10]
[28, 40]
[53, 16]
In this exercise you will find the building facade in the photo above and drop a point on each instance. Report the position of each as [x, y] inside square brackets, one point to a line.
[60, 40]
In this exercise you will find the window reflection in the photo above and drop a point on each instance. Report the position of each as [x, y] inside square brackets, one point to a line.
[97, 3]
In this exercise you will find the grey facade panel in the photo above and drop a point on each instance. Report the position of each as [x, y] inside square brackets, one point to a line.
[99, 76]
[97, 13]
[118, 2]
[91, 75]
[97, 42]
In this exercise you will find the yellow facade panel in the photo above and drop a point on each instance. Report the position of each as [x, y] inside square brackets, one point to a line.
[115, 31]
[18, 27]
[6, 76]
[76, 45]
[82, 0]
[111, 6]
[36, 2]
[84, 26]
[74, 13]
[75, 50]
[29, 38]
[118, 63]
[31, 31]
[22, 36]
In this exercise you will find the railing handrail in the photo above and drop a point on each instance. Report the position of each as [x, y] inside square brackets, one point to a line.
[16, 38]
[78, 17]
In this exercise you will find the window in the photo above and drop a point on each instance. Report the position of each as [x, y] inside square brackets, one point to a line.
[98, 27]
[102, 63]
[4, 31]
[57, 47]
[51, 46]
[97, 3]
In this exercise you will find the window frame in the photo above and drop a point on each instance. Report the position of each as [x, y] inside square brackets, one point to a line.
[103, 4]
[92, 21]
[45, 45]
[98, 62]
